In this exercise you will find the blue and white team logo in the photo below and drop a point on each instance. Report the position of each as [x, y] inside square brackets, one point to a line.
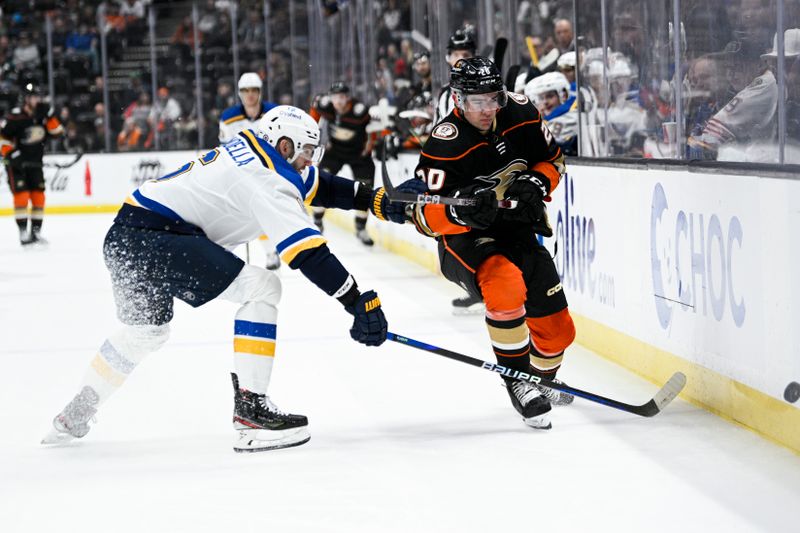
[445, 131]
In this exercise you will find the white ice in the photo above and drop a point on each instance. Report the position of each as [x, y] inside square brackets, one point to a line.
[402, 440]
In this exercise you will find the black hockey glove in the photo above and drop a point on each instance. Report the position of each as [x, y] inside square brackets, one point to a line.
[482, 213]
[383, 209]
[369, 323]
[529, 192]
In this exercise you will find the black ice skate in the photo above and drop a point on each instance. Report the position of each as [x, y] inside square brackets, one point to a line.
[26, 238]
[364, 237]
[468, 305]
[529, 401]
[73, 421]
[261, 426]
[556, 397]
[273, 261]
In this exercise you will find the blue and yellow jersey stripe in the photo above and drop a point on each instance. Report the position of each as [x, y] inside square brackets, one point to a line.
[311, 184]
[300, 241]
[255, 338]
[272, 160]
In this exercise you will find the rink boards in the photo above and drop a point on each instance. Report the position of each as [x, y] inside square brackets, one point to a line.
[665, 269]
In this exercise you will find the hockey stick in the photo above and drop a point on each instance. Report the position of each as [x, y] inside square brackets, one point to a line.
[77, 158]
[48, 164]
[409, 198]
[511, 76]
[499, 54]
[655, 405]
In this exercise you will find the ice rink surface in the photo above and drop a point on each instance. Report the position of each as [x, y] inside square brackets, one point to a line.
[402, 440]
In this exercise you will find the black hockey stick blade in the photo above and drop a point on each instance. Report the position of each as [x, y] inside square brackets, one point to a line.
[77, 158]
[500, 47]
[511, 76]
[409, 198]
[662, 398]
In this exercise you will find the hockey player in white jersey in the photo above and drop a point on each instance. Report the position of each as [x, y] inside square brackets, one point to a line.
[245, 115]
[550, 93]
[173, 238]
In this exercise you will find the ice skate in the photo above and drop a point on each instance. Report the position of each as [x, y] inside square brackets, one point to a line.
[556, 397]
[26, 238]
[261, 426]
[529, 401]
[273, 261]
[468, 305]
[73, 421]
[364, 237]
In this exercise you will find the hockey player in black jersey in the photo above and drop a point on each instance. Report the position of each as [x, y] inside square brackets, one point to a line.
[348, 144]
[23, 134]
[494, 145]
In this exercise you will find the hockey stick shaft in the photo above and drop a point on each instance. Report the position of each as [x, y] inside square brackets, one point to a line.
[663, 397]
[408, 198]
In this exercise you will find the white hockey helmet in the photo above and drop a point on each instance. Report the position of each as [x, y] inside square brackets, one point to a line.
[249, 80]
[619, 67]
[548, 82]
[566, 60]
[286, 121]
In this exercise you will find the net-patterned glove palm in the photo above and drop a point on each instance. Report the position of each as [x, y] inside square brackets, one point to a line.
[369, 322]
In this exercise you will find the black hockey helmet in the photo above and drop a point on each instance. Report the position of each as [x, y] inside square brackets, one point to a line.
[339, 87]
[31, 89]
[461, 39]
[476, 75]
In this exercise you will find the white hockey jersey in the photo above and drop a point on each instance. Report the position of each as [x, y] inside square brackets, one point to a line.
[234, 119]
[235, 193]
[749, 116]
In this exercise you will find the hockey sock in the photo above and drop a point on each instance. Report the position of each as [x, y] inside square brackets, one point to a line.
[551, 335]
[504, 291]
[21, 200]
[361, 220]
[119, 355]
[254, 345]
[37, 212]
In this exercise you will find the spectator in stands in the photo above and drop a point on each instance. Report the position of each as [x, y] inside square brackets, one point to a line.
[133, 12]
[83, 42]
[97, 139]
[164, 113]
[564, 36]
[706, 91]
[60, 33]
[26, 54]
[135, 129]
[251, 31]
[210, 19]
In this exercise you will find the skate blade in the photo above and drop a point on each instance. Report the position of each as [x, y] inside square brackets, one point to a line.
[539, 422]
[472, 310]
[261, 440]
[55, 437]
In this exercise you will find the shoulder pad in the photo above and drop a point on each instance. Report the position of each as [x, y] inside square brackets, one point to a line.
[231, 112]
[359, 109]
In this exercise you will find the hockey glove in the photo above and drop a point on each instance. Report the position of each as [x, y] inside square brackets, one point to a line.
[369, 323]
[529, 192]
[482, 213]
[383, 209]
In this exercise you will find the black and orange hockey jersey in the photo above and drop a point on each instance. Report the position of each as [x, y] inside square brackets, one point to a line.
[457, 155]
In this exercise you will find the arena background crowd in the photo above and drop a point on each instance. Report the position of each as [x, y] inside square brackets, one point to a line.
[122, 76]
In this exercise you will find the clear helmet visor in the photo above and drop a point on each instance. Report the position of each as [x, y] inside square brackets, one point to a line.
[484, 102]
[311, 152]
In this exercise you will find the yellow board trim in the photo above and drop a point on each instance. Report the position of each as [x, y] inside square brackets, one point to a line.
[70, 209]
[773, 419]
[254, 347]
